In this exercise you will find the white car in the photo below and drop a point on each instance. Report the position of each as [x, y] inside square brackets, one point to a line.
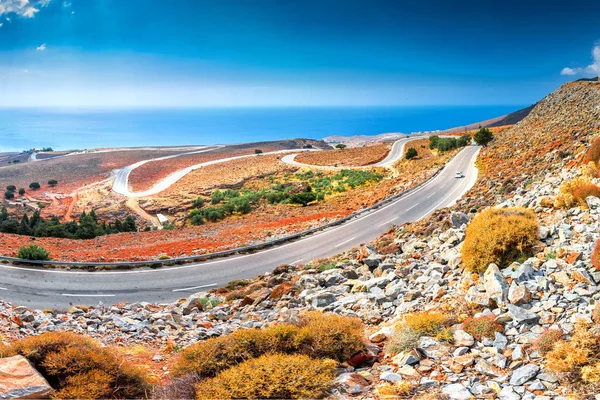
[458, 174]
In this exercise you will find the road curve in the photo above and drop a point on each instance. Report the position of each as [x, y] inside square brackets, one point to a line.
[393, 157]
[121, 183]
[44, 288]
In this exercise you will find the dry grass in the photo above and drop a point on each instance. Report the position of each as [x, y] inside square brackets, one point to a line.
[499, 236]
[545, 342]
[413, 326]
[482, 327]
[273, 376]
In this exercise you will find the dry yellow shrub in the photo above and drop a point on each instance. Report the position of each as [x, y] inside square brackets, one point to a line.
[319, 335]
[590, 169]
[428, 323]
[80, 367]
[566, 356]
[575, 191]
[395, 390]
[499, 235]
[330, 336]
[272, 376]
[591, 373]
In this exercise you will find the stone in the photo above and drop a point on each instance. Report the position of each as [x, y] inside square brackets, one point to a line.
[188, 306]
[463, 339]
[351, 383]
[495, 285]
[18, 380]
[524, 272]
[500, 341]
[458, 219]
[518, 294]
[523, 374]
[323, 299]
[487, 368]
[521, 315]
[593, 202]
[389, 376]
[456, 391]
[507, 393]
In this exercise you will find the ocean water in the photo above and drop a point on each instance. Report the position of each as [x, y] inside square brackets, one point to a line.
[65, 129]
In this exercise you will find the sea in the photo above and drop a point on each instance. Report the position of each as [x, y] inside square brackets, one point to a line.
[70, 129]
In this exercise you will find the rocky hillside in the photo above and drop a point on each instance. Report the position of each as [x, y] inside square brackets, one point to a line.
[560, 125]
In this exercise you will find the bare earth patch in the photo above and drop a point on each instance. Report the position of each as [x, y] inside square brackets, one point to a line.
[357, 156]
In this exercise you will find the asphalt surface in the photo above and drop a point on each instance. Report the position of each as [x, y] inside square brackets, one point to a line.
[58, 289]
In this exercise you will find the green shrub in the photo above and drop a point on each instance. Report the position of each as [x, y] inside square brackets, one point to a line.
[483, 136]
[21, 191]
[52, 182]
[33, 252]
[34, 185]
[11, 188]
[411, 153]
[9, 195]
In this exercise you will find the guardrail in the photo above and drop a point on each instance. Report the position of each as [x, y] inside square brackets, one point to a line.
[207, 256]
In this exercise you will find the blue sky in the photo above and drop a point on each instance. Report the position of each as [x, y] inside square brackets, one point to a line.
[198, 53]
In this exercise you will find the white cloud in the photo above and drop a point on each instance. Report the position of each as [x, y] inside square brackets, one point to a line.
[41, 47]
[593, 68]
[568, 71]
[22, 8]
[1, 24]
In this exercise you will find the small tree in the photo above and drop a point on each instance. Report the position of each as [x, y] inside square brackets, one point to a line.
[9, 195]
[11, 188]
[483, 136]
[258, 151]
[33, 252]
[21, 191]
[340, 146]
[52, 182]
[34, 185]
[411, 153]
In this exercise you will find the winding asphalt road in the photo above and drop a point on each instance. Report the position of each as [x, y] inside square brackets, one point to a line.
[393, 156]
[45, 288]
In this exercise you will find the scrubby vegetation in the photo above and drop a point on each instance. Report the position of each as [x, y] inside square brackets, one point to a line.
[79, 367]
[481, 327]
[575, 191]
[272, 376]
[411, 153]
[87, 227]
[545, 342]
[416, 325]
[499, 236]
[593, 152]
[318, 335]
[445, 144]
[33, 252]
[301, 189]
[577, 360]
